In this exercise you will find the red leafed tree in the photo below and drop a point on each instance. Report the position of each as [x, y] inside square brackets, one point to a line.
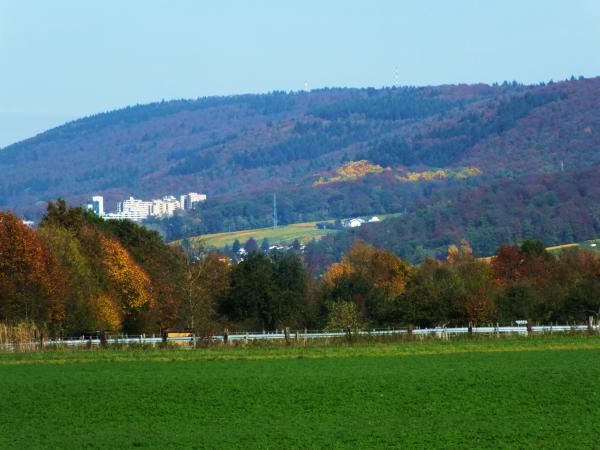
[507, 265]
[30, 278]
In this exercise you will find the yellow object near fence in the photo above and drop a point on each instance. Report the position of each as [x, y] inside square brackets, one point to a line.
[179, 334]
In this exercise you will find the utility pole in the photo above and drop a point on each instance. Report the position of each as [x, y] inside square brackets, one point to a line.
[274, 210]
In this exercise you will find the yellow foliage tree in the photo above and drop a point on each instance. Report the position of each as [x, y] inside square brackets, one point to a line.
[108, 314]
[351, 171]
[460, 255]
[129, 282]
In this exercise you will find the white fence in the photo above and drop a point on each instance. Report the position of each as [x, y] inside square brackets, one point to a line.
[293, 336]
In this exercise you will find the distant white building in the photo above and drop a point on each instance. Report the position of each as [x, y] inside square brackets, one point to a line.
[96, 204]
[165, 206]
[374, 219]
[188, 201]
[352, 223]
[138, 210]
[132, 209]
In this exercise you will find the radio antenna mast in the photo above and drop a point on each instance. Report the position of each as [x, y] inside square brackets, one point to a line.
[274, 210]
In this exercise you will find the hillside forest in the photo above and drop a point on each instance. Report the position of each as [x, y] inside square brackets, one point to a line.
[492, 164]
[76, 273]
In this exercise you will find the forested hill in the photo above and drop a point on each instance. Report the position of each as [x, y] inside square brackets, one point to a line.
[414, 143]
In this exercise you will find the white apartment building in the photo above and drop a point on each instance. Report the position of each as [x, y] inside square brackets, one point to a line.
[187, 201]
[132, 209]
[96, 204]
[137, 210]
[165, 206]
[125, 215]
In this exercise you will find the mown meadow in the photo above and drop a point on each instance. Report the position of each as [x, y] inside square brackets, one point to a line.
[540, 392]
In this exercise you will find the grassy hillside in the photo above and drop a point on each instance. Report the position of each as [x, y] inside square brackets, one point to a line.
[534, 393]
[286, 234]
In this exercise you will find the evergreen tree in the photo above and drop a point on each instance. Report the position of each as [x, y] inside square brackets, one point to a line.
[296, 245]
[251, 246]
[264, 246]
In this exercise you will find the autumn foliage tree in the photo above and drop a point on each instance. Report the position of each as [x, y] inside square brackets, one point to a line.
[372, 279]
[29, 275]
[130, 284]
[81, 273]
[78, 278]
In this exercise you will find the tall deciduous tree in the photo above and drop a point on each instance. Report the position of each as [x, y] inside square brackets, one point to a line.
[206, 286]
[129, 283]
[31, 285]
[81, 286]
[371, 278]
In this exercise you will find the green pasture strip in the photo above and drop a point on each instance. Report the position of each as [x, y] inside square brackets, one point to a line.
[316, 349]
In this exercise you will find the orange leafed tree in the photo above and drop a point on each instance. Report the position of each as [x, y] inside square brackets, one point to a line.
[335, 273]
[386, 270]
[30, 279]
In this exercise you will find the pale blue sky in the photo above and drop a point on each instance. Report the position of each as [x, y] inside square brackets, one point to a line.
[63, 59]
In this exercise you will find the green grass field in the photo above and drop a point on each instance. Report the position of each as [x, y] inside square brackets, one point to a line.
[304, 232]
[506, 393]
[285, 234]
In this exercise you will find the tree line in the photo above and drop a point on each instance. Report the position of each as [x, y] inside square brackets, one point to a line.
[76, 273]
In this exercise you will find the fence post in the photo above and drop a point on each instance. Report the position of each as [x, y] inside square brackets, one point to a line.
[529, 327]
[410, 330]
[286, 334]
[590, 324]
[103, 341]
[349, 333]
[470, 330]
[305, 333]
[225, 336]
